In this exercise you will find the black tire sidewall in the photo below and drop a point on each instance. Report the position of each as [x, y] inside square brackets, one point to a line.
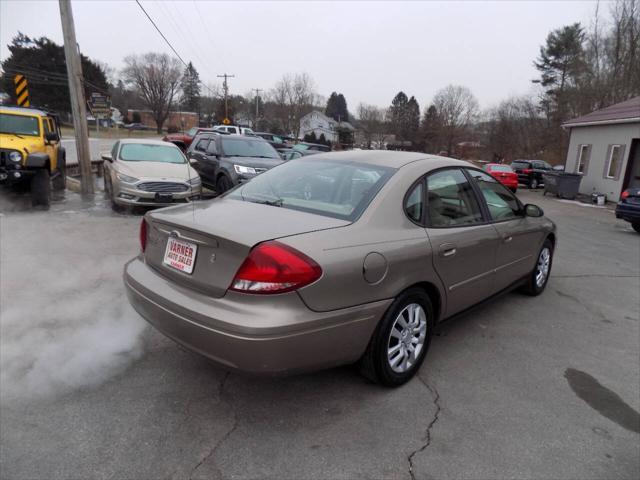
[60, 182]
[223, 184]
[41, 188]
[384, 373]
[636, 227]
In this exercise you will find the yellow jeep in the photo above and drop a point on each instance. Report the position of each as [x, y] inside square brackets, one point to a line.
[30, 151]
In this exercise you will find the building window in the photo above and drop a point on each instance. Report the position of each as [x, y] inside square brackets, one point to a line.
[614, 161]
[583, 158]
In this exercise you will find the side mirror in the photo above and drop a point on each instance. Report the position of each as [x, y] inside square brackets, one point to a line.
[107, 157]
[52, 137]
[531, 210]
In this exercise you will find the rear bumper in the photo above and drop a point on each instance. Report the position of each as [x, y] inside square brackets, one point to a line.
[252, 333]
[628, 211]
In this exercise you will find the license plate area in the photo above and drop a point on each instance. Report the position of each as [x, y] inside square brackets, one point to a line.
[164, 197]
[180, 255]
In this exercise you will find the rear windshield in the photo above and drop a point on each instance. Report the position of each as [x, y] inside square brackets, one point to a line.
[139, 152]
[332, 189]
[500, 168]
[517, 164]
[247, 147]
[19, 124]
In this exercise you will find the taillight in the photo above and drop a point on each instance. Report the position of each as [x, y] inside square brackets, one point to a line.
[273, 267]
[143, 234]
[624, 195]
[527, 170]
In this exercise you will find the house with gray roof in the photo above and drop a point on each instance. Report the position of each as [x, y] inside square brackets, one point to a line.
[318, 123]
[604, 148]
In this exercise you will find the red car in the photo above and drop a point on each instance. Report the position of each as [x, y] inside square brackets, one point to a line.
[184, 139]
[504, 174]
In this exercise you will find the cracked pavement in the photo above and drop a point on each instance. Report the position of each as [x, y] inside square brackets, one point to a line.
[490, 401]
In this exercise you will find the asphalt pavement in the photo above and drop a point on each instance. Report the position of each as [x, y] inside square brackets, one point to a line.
[522, 387]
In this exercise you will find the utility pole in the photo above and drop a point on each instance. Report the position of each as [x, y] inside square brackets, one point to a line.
[257, 90]
[225, 87]
[76, 92]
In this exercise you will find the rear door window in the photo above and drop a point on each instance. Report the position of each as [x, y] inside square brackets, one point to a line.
[451, 201]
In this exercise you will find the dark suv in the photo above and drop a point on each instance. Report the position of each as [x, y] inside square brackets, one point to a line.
[224, 161]
[530, 171]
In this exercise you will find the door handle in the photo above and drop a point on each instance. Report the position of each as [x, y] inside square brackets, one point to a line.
[447, 249]
[507, 238]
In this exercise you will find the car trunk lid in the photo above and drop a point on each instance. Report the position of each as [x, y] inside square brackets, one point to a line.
[222, 232]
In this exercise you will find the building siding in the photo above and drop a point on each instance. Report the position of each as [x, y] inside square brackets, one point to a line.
[600, 138]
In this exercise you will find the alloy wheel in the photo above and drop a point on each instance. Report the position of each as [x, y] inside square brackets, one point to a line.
[542, 270]
[407, 337]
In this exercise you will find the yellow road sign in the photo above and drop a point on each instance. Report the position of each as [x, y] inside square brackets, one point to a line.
[22, 92]
[226, 121]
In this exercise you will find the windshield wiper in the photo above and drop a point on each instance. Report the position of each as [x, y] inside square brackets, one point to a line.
[274, 203]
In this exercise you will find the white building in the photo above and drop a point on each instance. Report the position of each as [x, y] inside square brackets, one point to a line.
[318, 123]
[605, 149]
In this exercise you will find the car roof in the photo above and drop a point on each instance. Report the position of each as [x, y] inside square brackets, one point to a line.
[26, 111]
[389, 158]
[142, 141]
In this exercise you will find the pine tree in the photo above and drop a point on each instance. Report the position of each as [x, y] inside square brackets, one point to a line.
[337, 107]
[190, 85]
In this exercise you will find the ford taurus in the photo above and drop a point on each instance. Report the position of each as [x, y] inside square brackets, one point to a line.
[337, 258]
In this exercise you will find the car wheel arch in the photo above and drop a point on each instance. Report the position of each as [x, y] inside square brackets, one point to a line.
[434, 294]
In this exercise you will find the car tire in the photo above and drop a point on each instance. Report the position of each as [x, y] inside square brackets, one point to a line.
[41, 188]
[533, 184]
[390, 341]
[59, 182]
[636, 227]
[223, 184]
[539, 276]
[108, 193]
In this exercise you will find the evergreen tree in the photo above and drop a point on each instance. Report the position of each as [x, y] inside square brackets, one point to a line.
[398, 115]
[337, 107]
[47, 72]
[190, 85]
[412, 124]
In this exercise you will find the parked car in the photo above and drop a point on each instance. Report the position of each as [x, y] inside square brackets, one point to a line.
[289, 153]
[276, 141]
[340, 258]
[307, 148]
[224, 161]
[504, 174]
[148, 173]
[184, 139]
[31, 153]
[136, 126]
[530, 172]
[233, 130]
[628, 207]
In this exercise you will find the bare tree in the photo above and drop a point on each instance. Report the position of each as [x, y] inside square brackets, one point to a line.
[157, 77]
[457, 108]
[294, 96]
[372, 122]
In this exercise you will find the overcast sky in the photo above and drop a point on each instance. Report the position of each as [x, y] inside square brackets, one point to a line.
[366, 50]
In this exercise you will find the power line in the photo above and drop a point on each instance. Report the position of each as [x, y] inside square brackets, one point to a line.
[161, 34]
[169, 43]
